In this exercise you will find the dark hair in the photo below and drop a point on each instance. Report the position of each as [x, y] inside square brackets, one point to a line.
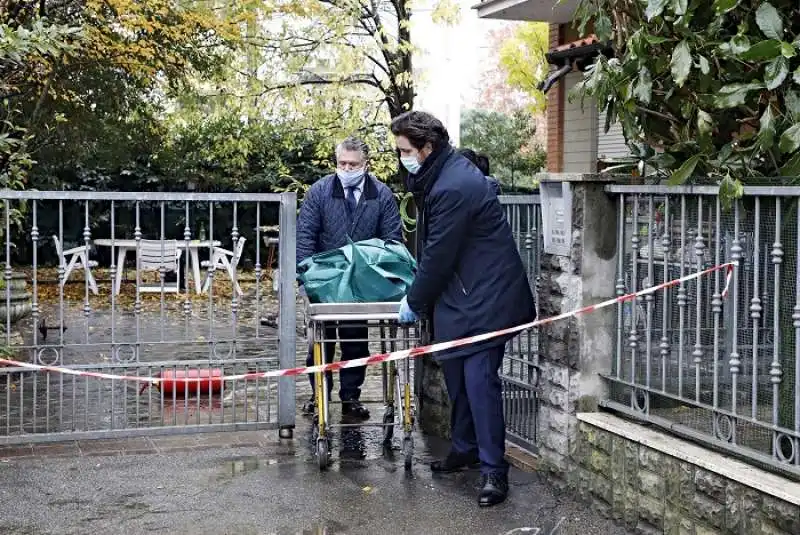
[479, 160]
[420, 128]
[483, 164]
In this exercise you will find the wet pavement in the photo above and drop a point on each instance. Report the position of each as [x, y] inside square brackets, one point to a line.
[246, 482]
[253, 483]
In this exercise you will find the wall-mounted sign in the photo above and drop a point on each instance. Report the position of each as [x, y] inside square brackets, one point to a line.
[556, 217]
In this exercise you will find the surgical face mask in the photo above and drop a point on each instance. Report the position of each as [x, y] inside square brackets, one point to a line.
[411, 164]
[350, 178]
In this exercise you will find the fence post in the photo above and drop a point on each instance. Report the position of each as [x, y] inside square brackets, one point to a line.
[287, 312]
[574, 352]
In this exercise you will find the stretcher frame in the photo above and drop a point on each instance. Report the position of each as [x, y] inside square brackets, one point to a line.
[398, 399]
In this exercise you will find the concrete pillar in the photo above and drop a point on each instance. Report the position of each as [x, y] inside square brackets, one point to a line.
[573, 352]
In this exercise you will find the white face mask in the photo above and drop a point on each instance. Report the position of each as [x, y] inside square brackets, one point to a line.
[350, 178]
[411, 164]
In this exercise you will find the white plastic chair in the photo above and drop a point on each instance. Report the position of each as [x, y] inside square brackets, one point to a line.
[224, 259]
[155, 254]
[76, 258]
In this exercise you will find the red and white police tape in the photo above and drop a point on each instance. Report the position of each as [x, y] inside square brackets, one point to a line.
[396, 355]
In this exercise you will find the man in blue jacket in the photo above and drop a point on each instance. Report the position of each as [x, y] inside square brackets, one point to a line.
[351, 203]
[470, 275]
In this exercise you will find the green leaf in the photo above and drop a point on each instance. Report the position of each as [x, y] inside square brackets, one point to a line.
[796, 76]
[792, 100]
[790, 139]
[734, 95]
[680, 6]
[654, 8]
[654, 39]
[792, 167]
[766, 131]
[788, 50]
[682, 174]
[737, 45]
[725, 152]
[704, 122]
[769, 21]
[776, 72]
[730, 188]
[662, 160]
[681, 63]
[762, 50]
[602, 27]
[702, 63]
[644, 86]
[723, 6]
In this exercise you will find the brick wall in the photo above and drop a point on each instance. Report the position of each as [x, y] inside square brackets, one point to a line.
[555, 113]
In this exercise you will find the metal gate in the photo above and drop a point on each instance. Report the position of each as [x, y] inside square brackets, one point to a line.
[520, 371]
[146, 284]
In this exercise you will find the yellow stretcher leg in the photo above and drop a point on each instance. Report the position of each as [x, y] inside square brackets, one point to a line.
[319, 386]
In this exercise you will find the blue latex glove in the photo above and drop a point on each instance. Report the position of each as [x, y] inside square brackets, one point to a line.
[406, 315]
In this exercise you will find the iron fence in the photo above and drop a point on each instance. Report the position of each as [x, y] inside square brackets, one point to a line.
[185, 307]
[520, 371]
[719, 369]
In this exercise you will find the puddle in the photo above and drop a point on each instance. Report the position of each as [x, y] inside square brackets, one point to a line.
[244, 465]
[550, 528]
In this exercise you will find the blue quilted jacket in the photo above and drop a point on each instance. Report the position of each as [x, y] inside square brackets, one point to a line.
[325, 222]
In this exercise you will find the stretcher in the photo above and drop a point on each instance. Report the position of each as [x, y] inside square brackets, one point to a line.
[385, 335]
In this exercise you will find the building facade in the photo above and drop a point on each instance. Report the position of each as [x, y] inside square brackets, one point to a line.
[576, 138]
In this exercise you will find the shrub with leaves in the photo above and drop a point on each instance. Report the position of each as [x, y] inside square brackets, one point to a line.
[509, 142]
[702, 88]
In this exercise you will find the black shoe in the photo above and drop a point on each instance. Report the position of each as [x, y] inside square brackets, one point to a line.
[310, 407]
[494, 490]
[455, 462]
[355, 409]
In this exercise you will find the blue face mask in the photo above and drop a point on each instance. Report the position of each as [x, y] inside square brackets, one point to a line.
[350, 178]
[411, 164]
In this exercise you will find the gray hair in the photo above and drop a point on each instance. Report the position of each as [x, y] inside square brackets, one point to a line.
[353, 144]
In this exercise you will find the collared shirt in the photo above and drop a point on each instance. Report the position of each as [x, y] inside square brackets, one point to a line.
[359, 188]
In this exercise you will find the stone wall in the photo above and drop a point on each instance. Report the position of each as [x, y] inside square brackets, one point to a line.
[655, 483]
[574, 351]
[434, 405]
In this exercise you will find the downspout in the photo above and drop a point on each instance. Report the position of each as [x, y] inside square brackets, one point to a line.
[545, 85]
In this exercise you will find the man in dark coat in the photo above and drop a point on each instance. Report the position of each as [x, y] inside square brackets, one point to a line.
[351, 203]
[471, 276]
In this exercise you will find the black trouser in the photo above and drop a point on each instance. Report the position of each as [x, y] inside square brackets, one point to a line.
[476, 420]
[350, 379]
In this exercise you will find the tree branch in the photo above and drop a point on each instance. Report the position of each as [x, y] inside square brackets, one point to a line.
[316, 79]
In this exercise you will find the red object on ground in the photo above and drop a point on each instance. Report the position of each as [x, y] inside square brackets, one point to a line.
[191, 381]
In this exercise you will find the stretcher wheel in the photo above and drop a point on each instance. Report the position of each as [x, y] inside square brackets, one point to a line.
[408, 452]
[322, 453]
[388, 426]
